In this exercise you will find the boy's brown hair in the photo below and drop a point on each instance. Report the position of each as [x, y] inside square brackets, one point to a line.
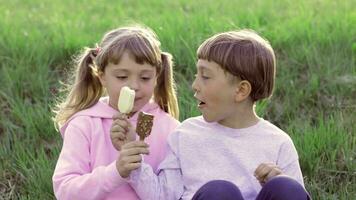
[246, 55]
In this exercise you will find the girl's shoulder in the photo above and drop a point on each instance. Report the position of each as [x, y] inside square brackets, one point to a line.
[85, 118]
[99, 110]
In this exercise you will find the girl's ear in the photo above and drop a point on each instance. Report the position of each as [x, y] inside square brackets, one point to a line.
[102, 78]
[243, 90]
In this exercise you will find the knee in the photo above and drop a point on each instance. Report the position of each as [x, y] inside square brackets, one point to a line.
[220, 186]
[284, 186]
[218, 189]
[283, 182]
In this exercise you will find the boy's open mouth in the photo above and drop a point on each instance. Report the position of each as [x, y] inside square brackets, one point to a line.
[201, 103]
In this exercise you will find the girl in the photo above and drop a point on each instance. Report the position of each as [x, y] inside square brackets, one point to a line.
[87, 164]
[229, 152]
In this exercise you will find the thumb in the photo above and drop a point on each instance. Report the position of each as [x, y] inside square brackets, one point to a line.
[131, 135]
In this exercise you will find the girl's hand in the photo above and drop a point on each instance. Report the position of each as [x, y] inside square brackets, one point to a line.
[130, 157]
[121, 131]
[266, 171]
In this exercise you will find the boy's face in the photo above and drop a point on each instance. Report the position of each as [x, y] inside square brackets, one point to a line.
[215, 91]
[138, 77]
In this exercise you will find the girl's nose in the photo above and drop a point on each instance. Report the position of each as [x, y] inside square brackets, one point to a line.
[133, 85]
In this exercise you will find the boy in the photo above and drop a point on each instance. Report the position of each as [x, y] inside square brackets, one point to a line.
[228, 152]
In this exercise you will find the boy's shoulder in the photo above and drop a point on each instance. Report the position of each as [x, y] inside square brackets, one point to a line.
[192, 124]
[198, 120]
[187, 129]
[271, 130]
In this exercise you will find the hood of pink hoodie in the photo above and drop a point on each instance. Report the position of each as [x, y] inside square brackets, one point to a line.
[102, 110]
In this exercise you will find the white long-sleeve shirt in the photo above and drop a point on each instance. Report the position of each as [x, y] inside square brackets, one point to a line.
[200, 152]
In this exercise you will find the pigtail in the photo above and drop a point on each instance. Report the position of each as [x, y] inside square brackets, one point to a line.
[85, 91]
[165, 91]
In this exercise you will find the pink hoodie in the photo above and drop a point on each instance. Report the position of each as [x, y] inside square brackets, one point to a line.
[86, 165]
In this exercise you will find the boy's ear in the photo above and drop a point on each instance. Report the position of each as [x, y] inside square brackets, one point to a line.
[243, 90]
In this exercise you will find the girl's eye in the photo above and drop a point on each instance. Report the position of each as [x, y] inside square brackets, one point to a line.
[146, 78]
[121, 77]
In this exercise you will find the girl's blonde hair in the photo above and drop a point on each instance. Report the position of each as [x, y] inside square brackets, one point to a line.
[143, 44]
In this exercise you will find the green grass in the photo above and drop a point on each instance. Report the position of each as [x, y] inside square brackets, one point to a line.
[314, 99]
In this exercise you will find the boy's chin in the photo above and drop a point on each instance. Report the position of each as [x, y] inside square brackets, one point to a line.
[208, 119]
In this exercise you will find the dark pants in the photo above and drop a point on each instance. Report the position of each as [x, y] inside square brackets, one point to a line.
[278, 188]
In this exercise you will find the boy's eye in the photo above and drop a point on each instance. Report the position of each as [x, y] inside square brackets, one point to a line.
[201, 76]
[204, 76]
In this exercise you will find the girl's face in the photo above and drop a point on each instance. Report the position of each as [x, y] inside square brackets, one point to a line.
[215, 92]
[138, 77]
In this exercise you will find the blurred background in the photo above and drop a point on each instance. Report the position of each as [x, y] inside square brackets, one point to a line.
[314, 99]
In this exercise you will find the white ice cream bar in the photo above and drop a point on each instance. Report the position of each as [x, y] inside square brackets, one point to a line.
[126, 100]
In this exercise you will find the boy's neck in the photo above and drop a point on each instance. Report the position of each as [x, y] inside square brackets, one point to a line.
[245, 117]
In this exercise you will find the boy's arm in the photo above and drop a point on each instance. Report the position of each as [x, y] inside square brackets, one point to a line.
[288, 161]
[167, 184]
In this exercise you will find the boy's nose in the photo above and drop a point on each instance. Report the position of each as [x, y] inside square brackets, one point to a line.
[194, 85]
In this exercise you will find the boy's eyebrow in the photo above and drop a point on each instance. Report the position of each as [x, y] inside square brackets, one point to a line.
[203, 67]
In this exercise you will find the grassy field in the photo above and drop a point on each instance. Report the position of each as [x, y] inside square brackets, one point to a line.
[314, 99]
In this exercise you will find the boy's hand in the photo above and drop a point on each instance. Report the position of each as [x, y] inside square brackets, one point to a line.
[130, 157]
[121, 131]
[266, 171]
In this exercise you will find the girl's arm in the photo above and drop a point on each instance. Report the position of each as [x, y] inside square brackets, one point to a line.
[73, 177]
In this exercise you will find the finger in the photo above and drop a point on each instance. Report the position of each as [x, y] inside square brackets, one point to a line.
[119, 116]
[118, 144]
[130, 159]
[263, 167]
[134, 151]
[134, 144]
[132, 166]
[263, 170]
[118, 140]
[274, 172]
[118, 136]
[118, 128]
[259, 169]
[121, 125]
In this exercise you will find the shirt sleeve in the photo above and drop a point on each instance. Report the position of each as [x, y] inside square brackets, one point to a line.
[167, 184]
[289, 162]
[73, 177]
